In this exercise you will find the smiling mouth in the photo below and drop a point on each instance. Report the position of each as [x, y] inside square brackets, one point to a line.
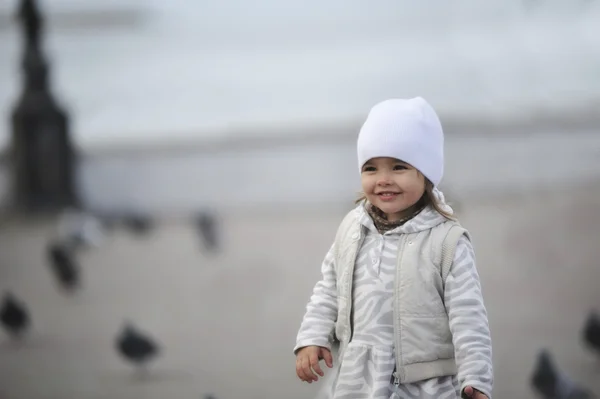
[387, 196]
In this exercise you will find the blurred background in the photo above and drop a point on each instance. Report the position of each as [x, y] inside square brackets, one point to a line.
[210, 137]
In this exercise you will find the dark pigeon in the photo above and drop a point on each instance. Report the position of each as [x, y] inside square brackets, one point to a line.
[64, 266]
[80, 230]
[591, 332]
[137, 223]
[551, 383]
[206, 224]
[109, 222]
[135, 347]
[14, 316]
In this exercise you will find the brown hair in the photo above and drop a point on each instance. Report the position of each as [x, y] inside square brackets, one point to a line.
[427, 199]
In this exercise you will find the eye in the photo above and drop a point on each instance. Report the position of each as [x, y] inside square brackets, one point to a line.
[369, 169]
[400, 167]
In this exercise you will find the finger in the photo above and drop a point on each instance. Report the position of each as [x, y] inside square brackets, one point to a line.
[480, 395]
[475, 393]
[327, 357]
[308, 374]
[314, 362]
[306, 370]
[299, 371]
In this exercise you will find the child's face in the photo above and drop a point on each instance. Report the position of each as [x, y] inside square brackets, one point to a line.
[392, 185]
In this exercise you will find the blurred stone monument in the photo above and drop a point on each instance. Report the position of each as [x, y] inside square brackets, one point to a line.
[42, 157]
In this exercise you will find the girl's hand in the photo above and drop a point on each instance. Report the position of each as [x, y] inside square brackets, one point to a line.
[470, 392]
[307, 362]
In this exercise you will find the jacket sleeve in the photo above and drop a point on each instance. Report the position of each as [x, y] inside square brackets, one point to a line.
[321, 311]
[468, 321]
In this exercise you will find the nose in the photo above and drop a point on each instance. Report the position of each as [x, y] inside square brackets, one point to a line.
[384, 178]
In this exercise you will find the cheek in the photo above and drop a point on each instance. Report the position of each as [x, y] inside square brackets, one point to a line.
[416, 195]
[367, 184]
[414, 187]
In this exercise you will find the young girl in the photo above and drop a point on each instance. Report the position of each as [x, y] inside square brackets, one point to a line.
[399, 291]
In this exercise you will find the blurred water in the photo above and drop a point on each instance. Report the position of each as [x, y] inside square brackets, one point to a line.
[184, 69]
[326, 173]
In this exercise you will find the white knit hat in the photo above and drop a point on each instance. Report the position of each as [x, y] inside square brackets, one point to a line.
[408, 130]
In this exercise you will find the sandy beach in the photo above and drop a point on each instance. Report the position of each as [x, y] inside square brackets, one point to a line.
[227, 323]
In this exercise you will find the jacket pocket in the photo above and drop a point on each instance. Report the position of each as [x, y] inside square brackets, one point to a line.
[425, 339]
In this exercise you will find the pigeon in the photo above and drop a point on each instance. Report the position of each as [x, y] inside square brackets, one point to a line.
[206, 224]
[80, 230]
[591, 332]
[551, 383]
[64, 267]
[135, 347]
[109, 220]
[137, 223]
[14, 316]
